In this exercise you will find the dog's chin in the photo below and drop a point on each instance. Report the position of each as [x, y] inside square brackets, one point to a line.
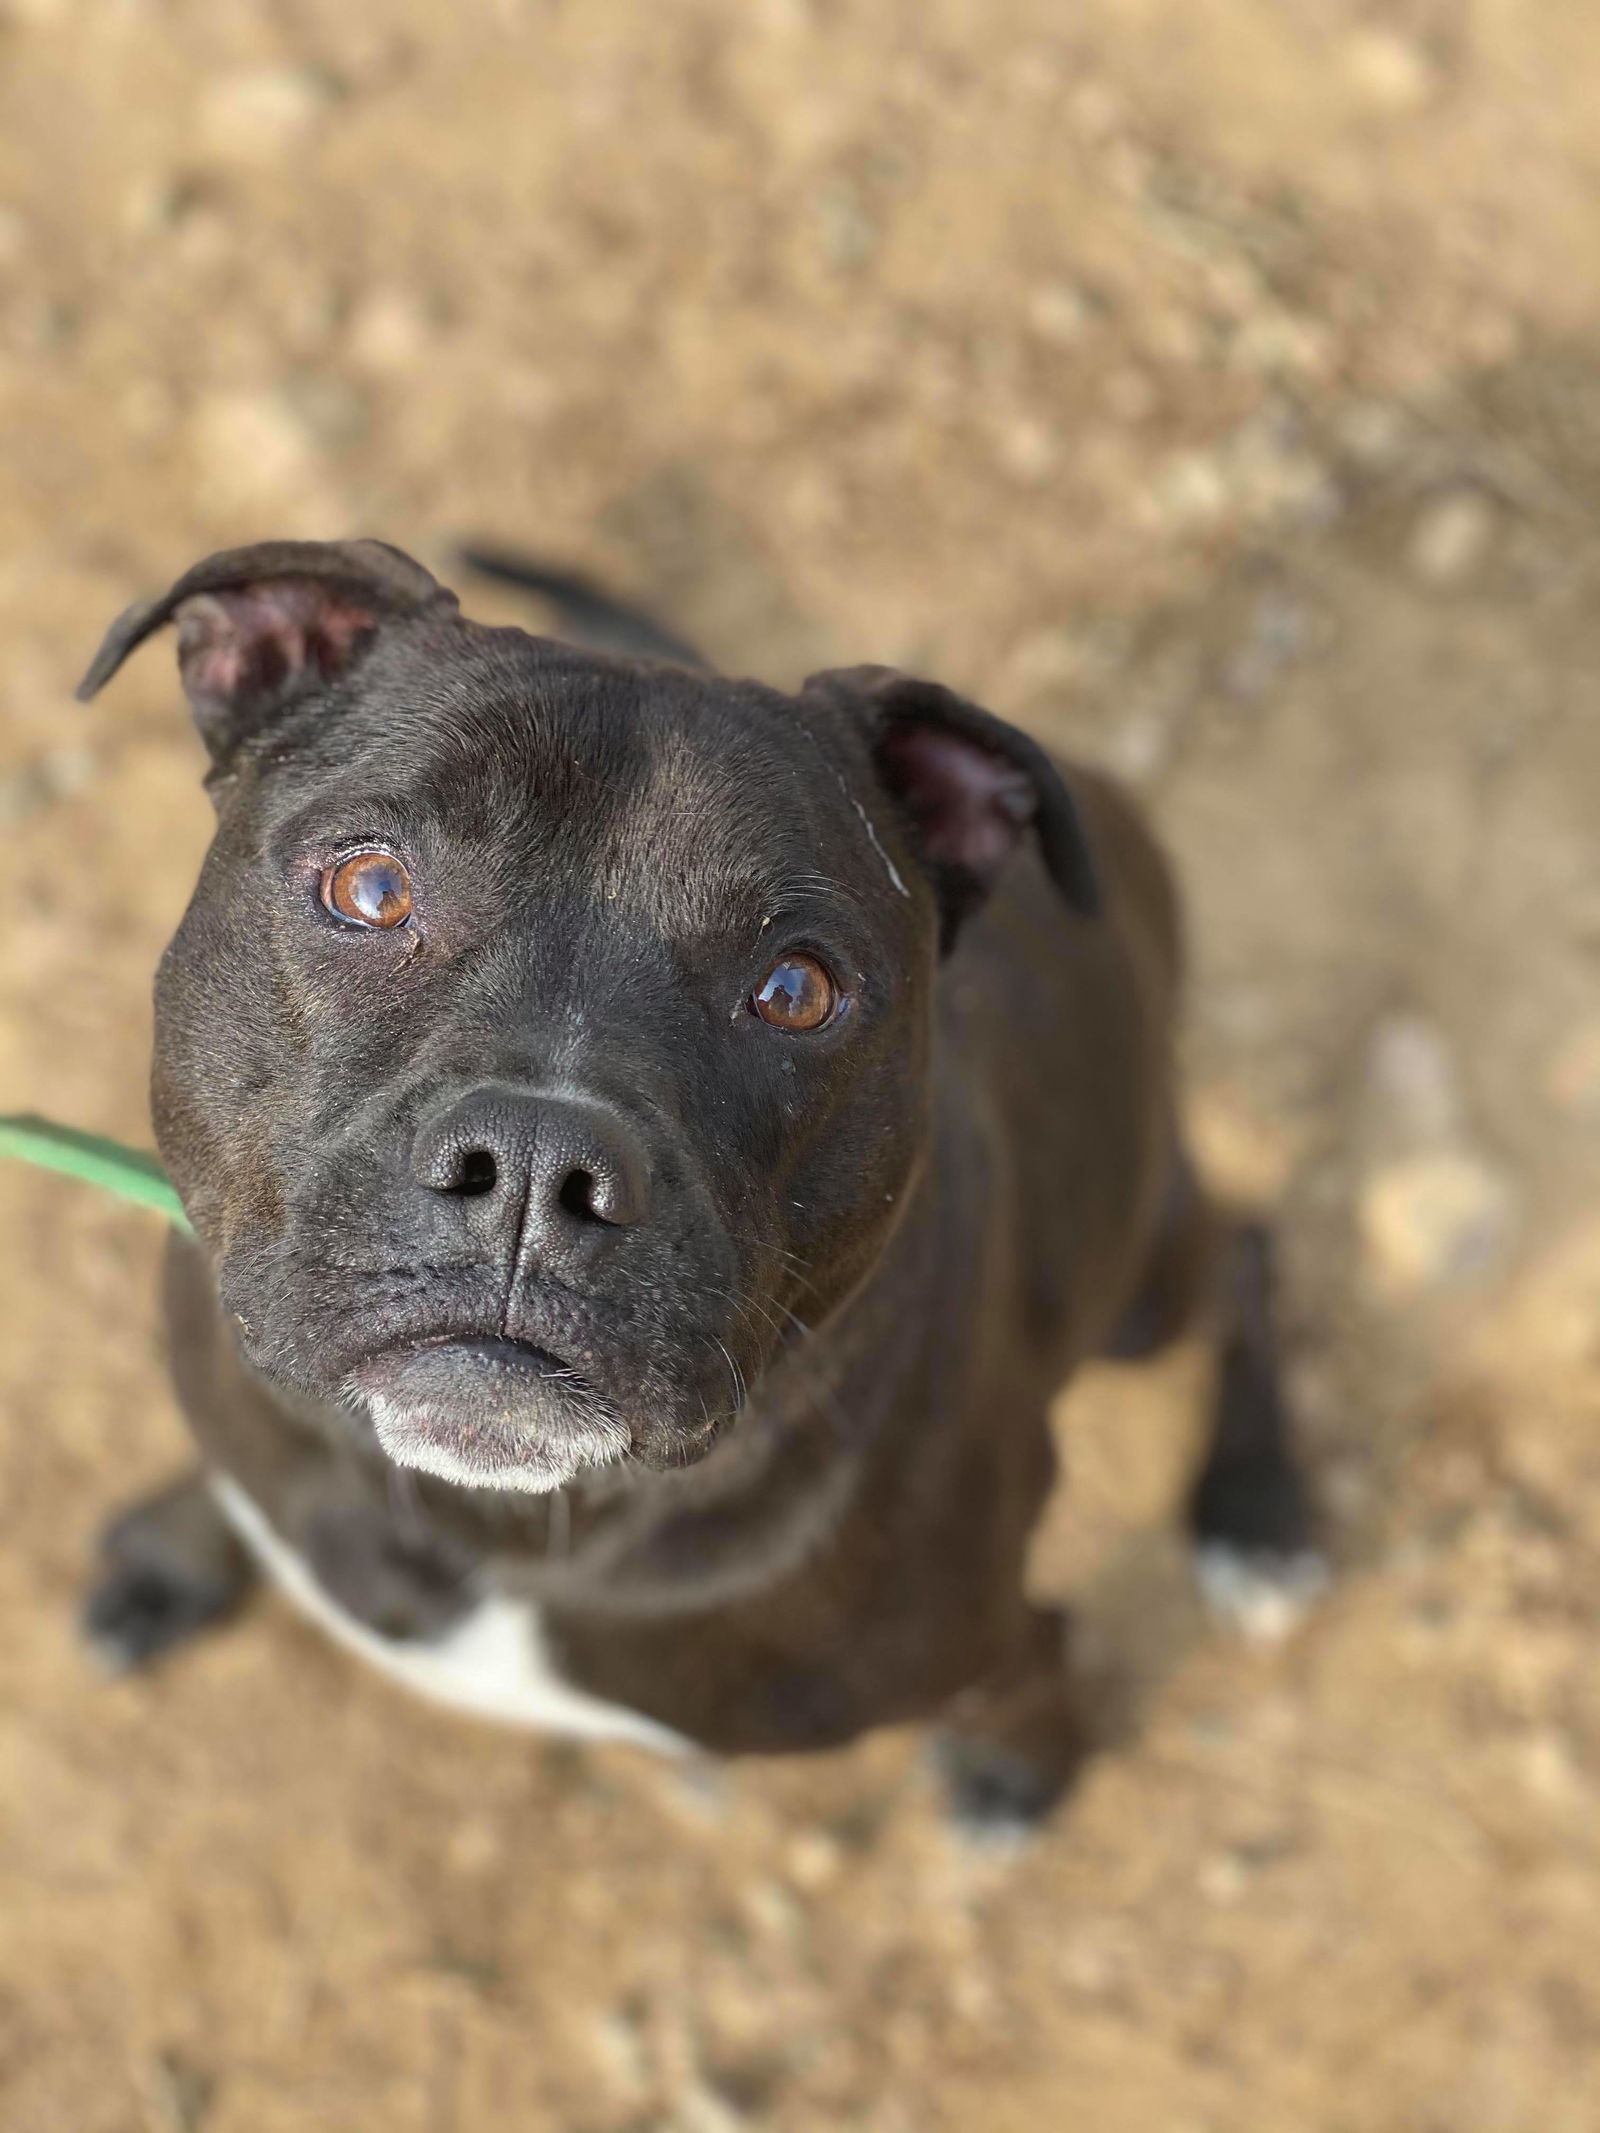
[487, 1414]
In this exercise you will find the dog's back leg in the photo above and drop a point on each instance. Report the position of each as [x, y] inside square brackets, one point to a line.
[172, 1568]
[1178, 1275]
[1250, 1510]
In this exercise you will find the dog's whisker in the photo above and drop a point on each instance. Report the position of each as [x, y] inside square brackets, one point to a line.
[744, 1305]
[739, 1390]
[765, 1244]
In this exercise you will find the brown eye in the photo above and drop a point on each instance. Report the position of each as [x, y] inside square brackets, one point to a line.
[369, 889]
[798, 995]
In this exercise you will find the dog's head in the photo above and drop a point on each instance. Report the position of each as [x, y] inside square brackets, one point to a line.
[549, 1036]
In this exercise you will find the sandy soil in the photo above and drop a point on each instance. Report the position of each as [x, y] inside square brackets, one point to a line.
[1211, 384]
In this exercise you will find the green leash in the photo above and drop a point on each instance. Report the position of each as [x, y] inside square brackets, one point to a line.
[128, 1172]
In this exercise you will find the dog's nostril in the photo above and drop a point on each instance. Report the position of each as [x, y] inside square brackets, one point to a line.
[577, 1196]
[477, 1173]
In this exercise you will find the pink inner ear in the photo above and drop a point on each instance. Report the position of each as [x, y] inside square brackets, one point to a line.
[969, 804]
[249, 644]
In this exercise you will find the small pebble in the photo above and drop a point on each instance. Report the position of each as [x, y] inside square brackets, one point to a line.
[1224, 1877]
[1027, 448]
[619, 2051]
[1058, 313]
[253, 446]
[1452, 536]
[701, 2109]
[1389, 70]
[814, 1859]
[1434, 1220]
[1551, 1770]
[389, 331]
[1411, 1074]
[259, 113]
[846, 231]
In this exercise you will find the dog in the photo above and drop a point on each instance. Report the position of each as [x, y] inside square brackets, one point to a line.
[655, 1147]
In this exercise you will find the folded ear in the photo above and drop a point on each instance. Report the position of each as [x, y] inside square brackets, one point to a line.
[259, 628]
[972, 786]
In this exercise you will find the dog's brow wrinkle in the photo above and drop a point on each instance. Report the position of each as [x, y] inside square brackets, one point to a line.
[711, 876]
[815, 887]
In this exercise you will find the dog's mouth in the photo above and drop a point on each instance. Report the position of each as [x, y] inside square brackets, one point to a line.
[487, 1412]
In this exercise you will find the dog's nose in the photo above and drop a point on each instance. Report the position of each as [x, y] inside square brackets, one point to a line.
[568, 1162]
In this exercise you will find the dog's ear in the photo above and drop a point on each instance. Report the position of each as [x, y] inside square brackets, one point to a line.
[972, 787]
[260, 628]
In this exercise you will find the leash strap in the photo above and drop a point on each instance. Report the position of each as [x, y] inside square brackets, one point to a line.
[128, 1173]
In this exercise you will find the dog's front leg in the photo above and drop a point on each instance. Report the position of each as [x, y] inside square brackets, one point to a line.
[1011, 1746]
[172, 1567]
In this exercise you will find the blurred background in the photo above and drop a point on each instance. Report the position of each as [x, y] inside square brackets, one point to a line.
[1210, 385]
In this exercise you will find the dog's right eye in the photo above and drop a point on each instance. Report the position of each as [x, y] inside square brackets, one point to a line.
[799, 995]
[368, 889]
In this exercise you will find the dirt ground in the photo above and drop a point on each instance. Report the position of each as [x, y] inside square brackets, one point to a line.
[1211, 384]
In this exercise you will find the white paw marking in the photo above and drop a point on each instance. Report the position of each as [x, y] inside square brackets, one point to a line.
[1261, 1597]
[494, 1663]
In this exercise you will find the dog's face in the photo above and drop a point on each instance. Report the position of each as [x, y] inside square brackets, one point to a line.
[548, 1040]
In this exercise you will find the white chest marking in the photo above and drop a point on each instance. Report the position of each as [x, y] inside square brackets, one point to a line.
[494, 1663]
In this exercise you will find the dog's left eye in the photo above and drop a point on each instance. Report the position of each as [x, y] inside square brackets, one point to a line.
[368, 889]
[798, 995]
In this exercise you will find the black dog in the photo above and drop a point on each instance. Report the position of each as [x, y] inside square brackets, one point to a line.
[656, 1145]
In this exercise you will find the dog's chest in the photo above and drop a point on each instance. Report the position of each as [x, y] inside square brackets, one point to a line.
[493, 1664]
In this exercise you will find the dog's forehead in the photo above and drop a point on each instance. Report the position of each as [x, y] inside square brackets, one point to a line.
[680, 794]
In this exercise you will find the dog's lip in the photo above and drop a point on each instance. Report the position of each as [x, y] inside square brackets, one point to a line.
[495, 1351]
[484, 1410]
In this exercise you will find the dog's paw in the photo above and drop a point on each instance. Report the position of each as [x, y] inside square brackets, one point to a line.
[1261, 1594]
[139, 1611]
[994, 1797]
[1257, 1559]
